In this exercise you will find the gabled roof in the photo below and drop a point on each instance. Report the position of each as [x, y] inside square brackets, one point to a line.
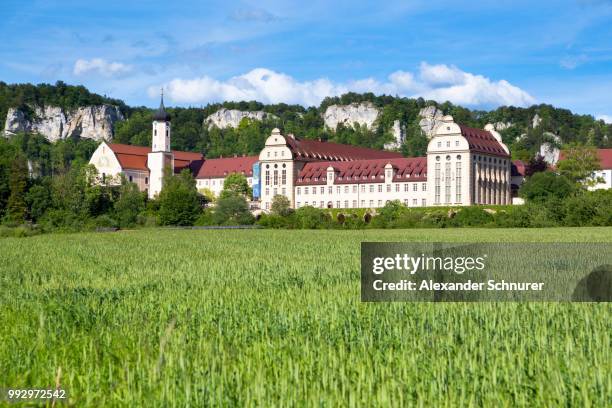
[315, 150]
[218, 168]
[364, 171]
[135, 157]
[482, 141]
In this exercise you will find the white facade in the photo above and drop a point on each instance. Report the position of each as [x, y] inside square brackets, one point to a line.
[606, 179]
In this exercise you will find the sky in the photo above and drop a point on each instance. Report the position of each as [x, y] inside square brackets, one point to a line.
[479, 54]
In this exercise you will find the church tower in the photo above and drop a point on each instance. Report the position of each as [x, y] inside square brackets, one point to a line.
[161, 156]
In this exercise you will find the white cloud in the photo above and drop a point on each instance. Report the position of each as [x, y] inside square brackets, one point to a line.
[605, 118]
[438, 82]
[101, 67]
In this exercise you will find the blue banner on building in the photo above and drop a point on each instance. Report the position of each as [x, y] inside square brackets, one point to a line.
[256, 182]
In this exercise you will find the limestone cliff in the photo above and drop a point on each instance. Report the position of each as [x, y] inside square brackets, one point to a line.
[88, 122]
[364, 113]
[431, 117]
[224, 118]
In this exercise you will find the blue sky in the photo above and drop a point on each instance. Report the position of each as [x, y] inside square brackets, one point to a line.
[478, 54]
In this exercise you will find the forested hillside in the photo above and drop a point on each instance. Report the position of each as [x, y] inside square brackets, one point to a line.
[190, 132]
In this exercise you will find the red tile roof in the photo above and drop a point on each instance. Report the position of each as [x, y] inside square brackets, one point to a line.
[217, 168]
[364, 171]
[518, 168]
[315, 150]
[604, 155]
[135, 157]
[482, 141]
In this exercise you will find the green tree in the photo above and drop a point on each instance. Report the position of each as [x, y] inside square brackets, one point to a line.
[546, 186]
[236, 184]
[39, 200]
[179, 203]
[18, 183]
[281, 205]
[232, 209]
[578, 165]
[129, 204]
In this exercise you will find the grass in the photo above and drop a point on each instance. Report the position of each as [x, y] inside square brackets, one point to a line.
[273, 317]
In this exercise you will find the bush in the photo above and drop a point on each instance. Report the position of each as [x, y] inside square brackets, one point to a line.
[308, 217]
[471, 217]
[281, 206]
[206, 219]
[589, 208]
[232, 210]
[544, 186]
[276, 221]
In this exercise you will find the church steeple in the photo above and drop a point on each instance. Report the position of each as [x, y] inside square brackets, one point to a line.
[161, 115]
[161, 128]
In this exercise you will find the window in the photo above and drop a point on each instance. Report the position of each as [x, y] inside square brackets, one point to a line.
[439, 144]
[363, 188]
[305, 203]
[397, 188]
[267, 177]
[406, 202]
[322, 204]
[284, 177]
[380, 188]
[458, 182]
[298, 191]
[354, 203]
[330, 190]
[267, 191]
[415, 187]
[424, 202]
[155, 132]
[146, 180]
[346, 204]
[267, 205]
[456, 143]
[447, 182]
[437, 184]
[371, 188]
[388, 188]
[414, 202]
[131, 179]
[305, 190]
[338, 204]
[424, 186]
[406, 187]
[314, 190]
[380, 203]
[338, 190]
[354, 188]
[276, 191]
[346, 189]
[322, 190]
[275, 153]
[284, 191]
[448, 143]
[275, 177]
[297, 204]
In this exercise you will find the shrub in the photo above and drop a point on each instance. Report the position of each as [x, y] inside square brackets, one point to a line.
[205, 219]
[471, 217]
[589, 208]
[544, 186]
[308, 217]
[232, 210]
[281, 206]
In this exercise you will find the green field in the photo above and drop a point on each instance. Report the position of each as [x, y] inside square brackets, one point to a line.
[264, 317]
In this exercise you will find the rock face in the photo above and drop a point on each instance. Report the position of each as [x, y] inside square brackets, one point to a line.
[499, 126]
[535, 122]
[88, 122]
[224, 118]
[431, 117]
[364, 113]
[399, 133]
